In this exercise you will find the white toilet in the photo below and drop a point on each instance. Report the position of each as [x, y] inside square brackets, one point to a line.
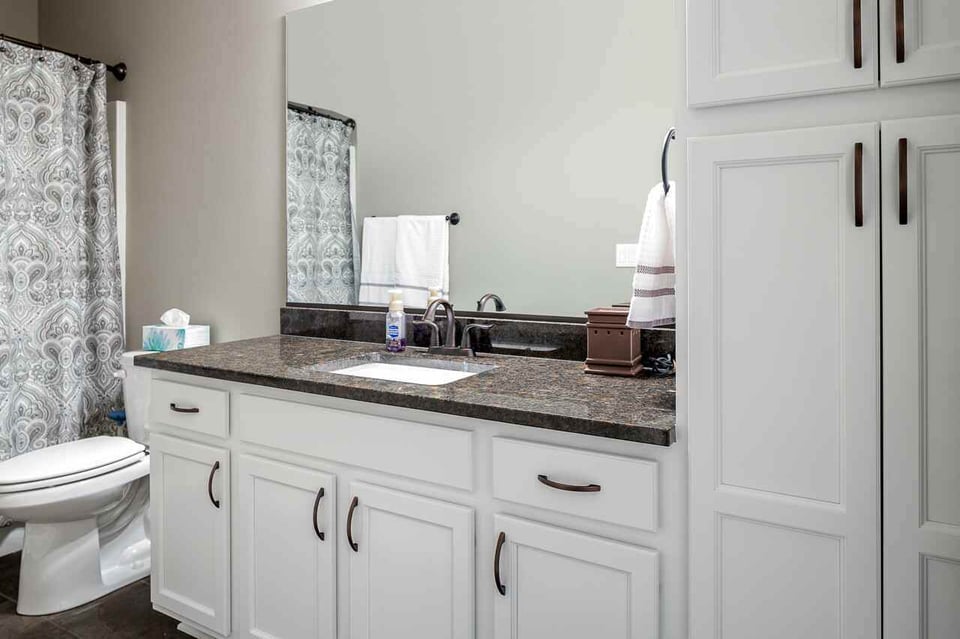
[84, 505]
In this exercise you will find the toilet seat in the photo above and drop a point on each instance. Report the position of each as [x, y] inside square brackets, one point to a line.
[68, 463]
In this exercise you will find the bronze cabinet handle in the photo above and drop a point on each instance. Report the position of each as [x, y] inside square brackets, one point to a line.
[353, 507]
[213, 471]
[902, 147]
[858, 184]
[496, 564]
[901, 37]
[588, 488]
[857, 35]
[316, 507]
[177, 409]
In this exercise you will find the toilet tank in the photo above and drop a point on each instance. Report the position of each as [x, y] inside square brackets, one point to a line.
[136, 393]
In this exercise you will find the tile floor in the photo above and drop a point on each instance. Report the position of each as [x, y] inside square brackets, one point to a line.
[124, 614]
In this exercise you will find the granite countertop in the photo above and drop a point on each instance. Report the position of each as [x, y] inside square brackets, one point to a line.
[552, 394]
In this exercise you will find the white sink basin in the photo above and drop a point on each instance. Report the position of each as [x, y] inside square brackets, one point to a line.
[408, 370]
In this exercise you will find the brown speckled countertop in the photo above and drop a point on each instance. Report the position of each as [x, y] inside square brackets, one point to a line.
[551, 394]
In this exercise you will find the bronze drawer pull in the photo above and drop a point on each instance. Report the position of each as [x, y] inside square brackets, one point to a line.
[213, 471]
[353, 506]
[496, 564]
[858, 184]
[589, 488]
[316, 507]
[177, 409]
[901, 38]
[857, 35]
[902, 146]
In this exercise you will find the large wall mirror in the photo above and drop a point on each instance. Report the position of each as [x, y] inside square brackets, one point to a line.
[539, 123]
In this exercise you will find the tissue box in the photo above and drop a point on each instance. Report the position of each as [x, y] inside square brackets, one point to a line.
[171, 338]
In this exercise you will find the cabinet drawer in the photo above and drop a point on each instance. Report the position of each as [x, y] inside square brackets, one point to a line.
[607, 488]
[429, 453]
[193, 408]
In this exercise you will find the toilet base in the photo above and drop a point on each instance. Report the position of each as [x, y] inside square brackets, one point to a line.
[64, 566]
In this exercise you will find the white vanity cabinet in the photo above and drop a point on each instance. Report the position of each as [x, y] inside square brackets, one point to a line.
[411, 565]
[919, 41]
[190, 531]
[559, 584]
[784, 377]
[286, 565]
[747, 50]
[921, 314]
[362, 521]
[753, 50]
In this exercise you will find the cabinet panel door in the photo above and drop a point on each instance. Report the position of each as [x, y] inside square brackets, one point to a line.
[190, 531]
[930, 42]
[286, 574]
[921, 371]
[784, 410]
[560, 584]
[748, 50]
[412, 574]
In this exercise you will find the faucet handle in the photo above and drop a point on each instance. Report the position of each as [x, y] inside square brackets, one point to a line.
[465, 339]
[434, 331]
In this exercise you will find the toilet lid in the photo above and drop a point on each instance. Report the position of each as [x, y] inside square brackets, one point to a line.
[65, 463]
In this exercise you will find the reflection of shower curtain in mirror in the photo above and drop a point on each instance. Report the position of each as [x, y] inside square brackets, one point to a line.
[320, 239]
[61, 317]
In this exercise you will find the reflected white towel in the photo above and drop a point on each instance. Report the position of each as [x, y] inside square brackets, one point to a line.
[423, 257]
[378, 263]
[654, 299]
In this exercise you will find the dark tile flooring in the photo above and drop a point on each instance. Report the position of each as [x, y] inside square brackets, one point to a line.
[123, 614]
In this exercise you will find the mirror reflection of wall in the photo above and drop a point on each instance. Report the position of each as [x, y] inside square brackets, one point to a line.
[542, 126]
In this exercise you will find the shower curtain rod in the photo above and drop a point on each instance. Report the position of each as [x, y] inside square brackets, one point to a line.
[119, 70]
[309, 110]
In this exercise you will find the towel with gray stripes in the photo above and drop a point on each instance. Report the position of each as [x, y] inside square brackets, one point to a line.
[654, 299]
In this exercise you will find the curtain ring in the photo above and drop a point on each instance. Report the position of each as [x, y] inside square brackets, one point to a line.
[42, 51]
[76, 63]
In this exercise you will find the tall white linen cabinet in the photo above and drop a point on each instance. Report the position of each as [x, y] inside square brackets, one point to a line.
[821, 233]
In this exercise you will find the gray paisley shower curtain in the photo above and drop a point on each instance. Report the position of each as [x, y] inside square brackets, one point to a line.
[60, 294]
[320, 235]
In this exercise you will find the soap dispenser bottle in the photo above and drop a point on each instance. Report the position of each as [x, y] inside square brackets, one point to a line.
[396, 323]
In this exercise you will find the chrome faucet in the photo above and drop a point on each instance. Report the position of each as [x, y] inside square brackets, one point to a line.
[497, 302]
[449, 346]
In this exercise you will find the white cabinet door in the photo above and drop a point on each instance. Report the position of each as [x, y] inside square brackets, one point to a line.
[559, 584]
[190, 531]
[784, 409]
[411, 566]
[921, 378]
[745, 50]
[919, 41]
[286, 568]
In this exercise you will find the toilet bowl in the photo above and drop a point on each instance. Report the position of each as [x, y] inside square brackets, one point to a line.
[84, 506]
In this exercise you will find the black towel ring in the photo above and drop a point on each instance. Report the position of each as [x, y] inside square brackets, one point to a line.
[671, 135]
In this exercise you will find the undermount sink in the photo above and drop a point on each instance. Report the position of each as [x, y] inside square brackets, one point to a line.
[409, 370]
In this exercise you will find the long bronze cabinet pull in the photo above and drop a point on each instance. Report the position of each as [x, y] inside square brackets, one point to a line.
[501, 539]
[213, 471]
[902, 149]
[177, 409]
[353, 507]
[586, 488]
[316, 507]
[857, 35]
[858, 184]
[901, 36]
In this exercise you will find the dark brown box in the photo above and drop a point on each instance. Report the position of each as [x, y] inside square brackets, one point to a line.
[613, 348]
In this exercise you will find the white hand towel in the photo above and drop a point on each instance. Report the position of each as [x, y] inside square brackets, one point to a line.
[423, 257]
[654, 300]
[378, 260]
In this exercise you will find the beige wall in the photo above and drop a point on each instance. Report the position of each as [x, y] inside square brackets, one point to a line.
[205, 151]
[19, 18]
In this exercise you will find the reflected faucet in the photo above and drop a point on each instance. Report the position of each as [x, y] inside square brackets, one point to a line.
[497, 302]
